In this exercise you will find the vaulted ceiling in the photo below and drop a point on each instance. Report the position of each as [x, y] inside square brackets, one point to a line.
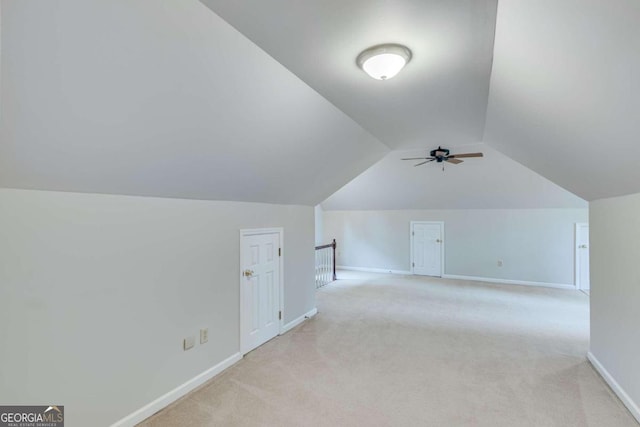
[162, 98]
[441, 98]
[565, 92]
[492, 182]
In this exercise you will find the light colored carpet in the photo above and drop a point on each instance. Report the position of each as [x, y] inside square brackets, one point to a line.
[410, 351]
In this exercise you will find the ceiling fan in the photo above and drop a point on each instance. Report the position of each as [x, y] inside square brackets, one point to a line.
[442, 155]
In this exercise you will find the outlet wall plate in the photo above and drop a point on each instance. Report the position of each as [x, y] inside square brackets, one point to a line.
[189, 342]
[204, 335]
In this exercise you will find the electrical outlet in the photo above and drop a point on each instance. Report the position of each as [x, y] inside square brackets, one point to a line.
[499, 263]
[204, 335]
[189, 342]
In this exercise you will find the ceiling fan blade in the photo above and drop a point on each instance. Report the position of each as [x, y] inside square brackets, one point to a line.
[422, 163]
[454, 161]
[417, 158]
[457, 156]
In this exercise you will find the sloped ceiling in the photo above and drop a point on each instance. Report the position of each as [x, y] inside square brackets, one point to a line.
[439, 98]
[163, 98]
[492, 182]
[565, 92]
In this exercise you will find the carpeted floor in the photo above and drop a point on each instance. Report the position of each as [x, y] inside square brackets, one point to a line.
[390, 350]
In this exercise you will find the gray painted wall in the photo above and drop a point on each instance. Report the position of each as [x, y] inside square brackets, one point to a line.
[534, 244]
[318, 216]
[98, 292]
[615, 289]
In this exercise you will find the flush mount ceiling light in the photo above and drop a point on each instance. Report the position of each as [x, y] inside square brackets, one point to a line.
[384, 61]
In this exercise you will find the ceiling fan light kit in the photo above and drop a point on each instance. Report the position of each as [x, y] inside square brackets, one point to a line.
[384, 61]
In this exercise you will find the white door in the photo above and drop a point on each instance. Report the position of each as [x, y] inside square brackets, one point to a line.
[259, 288]
[582, 257]
[427, 248]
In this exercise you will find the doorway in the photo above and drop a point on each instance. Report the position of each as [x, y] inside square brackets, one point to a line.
[427, 248]
[582, 257]
[260, 286]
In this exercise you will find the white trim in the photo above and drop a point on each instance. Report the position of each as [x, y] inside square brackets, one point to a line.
[175, 394]
[460, 277]
[252, 232]
[286, 328]
[617, 389]
[373, 270]
[509, 281]
[441, 224]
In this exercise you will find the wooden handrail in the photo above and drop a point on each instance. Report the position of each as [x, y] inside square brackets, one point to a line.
[330, 245]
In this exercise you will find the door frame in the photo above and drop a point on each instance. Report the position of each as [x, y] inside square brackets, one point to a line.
[576, 264]
[253, 232]
[441, 224]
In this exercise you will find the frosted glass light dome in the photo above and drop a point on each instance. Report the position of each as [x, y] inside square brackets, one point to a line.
[384, 61]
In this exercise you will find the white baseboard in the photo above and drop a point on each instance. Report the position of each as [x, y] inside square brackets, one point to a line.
[619, 391]
[372, 270]
[459, 277]
[509, 281]
[286, 328]
[175, 394]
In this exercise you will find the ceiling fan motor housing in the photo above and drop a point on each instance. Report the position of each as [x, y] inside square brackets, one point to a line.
[440, 154]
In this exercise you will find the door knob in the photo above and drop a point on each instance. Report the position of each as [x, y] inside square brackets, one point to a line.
[248, 273]
[583, 246]
[438, 241]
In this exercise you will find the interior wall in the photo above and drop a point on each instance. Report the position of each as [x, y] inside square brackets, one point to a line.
[614, 234]
[318, 216]
[534, 244]
[97, 293]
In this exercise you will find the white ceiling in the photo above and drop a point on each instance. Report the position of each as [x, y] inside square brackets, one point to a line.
[492, 182]
[163, 99]
[565, 92]
[168, 99]
[439, 98]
